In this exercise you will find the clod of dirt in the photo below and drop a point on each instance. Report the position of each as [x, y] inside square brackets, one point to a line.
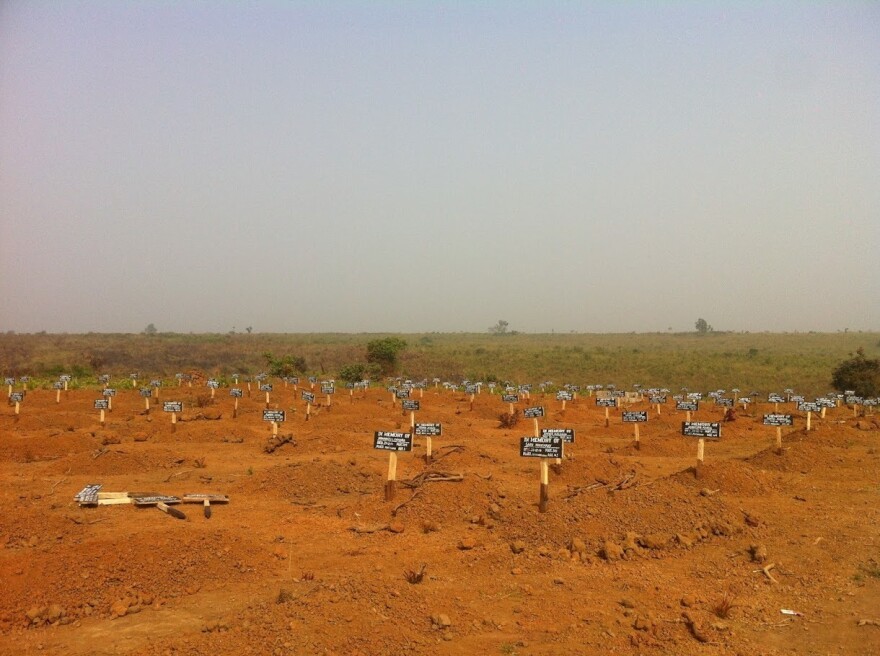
[685, 540]
[654, 541]
[751, 520]
[694, 627]
[611, 551]
[758, 552]
[577, 546]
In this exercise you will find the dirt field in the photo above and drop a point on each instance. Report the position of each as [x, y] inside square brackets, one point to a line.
[634, 556]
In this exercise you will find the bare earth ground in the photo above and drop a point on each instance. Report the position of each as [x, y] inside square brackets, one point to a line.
[279, 569]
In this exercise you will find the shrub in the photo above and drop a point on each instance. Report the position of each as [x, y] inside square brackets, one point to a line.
[859, 373]
[383, 352]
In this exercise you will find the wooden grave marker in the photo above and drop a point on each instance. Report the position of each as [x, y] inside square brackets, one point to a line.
[564, 396]
[635, 417]
[428, 431]
[393, 442]
[688, 406]
[146, 393]
[328, 388]
[702, 430]
[102, 406]
[267, 388]
[809, 407]
[276, 417]
[778, 420]
[173, 407]
[606, 402]
[236, 393]
[309, 398]
[543, 448]
[109, 393]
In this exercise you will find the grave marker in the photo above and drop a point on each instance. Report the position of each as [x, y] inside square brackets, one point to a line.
[392, 442]
[543, 448]
[635, 418]
[173, 407]
[778, 421]
[702, 430]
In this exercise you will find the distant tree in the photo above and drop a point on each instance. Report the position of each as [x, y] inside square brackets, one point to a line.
[859, 373]
[702, 326]
[499, 328]
[249, 329]
[150, 330]
[383, 352]
[353, 373]
[286, 365]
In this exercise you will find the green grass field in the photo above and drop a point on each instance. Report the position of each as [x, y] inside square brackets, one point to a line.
[750, 361]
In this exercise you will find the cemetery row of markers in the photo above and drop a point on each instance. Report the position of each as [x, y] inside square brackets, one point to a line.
[545, 444]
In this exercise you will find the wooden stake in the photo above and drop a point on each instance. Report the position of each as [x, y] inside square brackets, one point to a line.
[308, 410]
[328, 401]
[147, 404]
[822, 413]
[779, 439]
[809, 416]
[235, 409]
[392, 476]
[428, 450]
[212, 392]
[701, 446]
[472, 402]
[638, 444]
[267, 400]
[102, 417]
[58, 395]
[274, 429]
[606, 417]
[173, 422]
[658, 409]
[688, 416]
[544, 498]
[110, 404]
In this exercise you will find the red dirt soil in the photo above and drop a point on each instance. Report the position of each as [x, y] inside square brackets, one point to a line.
[634, 556]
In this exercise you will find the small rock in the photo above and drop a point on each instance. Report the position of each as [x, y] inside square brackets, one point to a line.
[627, 603]
[544, 550]
[577, 545]
[119, 608]
[35, 614]
[516, 571]
[396, 527]
[517, 546]
[280, 552]
[643, 623]
[466, 544]
[559, 581]
[687, 601]
[54, 613]
[441, 620]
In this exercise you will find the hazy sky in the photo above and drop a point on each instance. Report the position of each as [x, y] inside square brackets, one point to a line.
[419, 166]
